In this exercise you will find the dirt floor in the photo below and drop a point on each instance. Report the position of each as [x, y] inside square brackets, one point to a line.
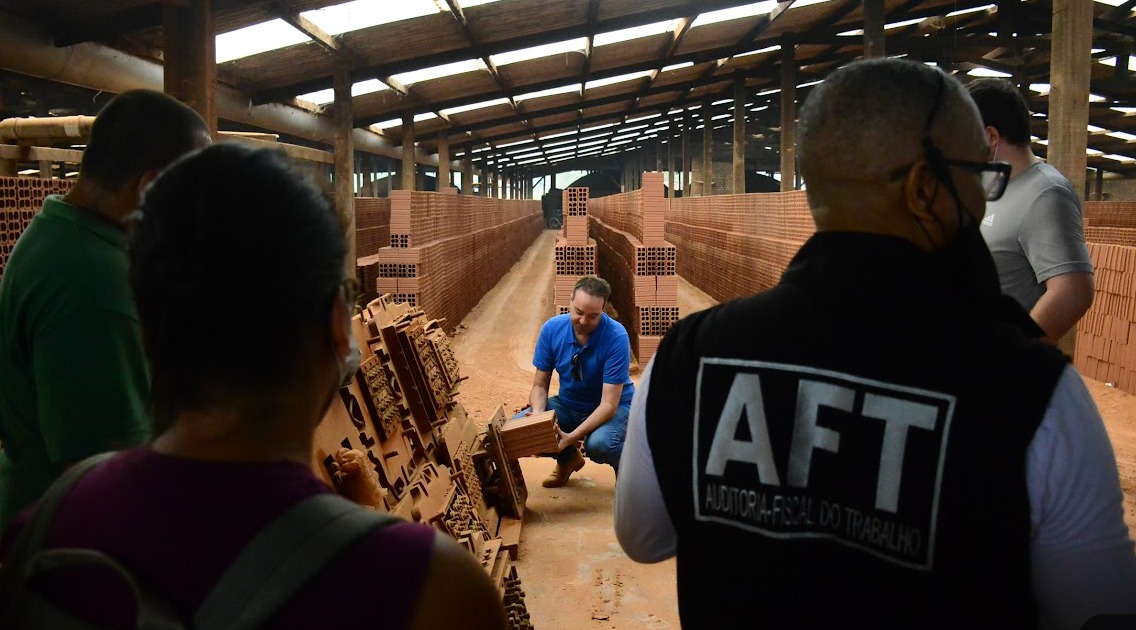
[572, 569]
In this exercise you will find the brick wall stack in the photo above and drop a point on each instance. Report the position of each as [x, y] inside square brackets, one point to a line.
[446, 251]
[575, 253]
[20, 199]
[372, 232]
[1106, 335]
[638, 261]
[735, 245]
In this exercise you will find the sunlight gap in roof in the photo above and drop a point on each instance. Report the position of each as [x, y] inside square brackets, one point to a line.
[759, 51]
[1111, 61]
[472, 106]
[678, 66]
[255, 39]
[359, 14]
[635, 32]
[987, 72]
[972, 10]
[616, 79]
[387, 124]
[437, 72]
[536, 52]
[734, 13]
[564, 89]
[647, 117]
[323, 97]
[1121, 135]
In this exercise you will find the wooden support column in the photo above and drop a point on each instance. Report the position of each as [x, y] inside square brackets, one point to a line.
[409, 170]
[1100, 185]
[8, 168]
[739, 134]
[1069, 70]
[670, 162]
[707, 150]
[190, 56]
[686, 155]
[443, 162]
[368, 172]
[873, 28]
[46, 169]
[467, 177]
[659, 155]
[788, 114]
[345, 164]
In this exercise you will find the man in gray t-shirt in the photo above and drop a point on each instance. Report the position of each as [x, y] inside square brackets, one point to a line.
[1035, 231]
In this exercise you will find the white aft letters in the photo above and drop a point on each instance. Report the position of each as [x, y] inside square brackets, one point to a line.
[898, 414]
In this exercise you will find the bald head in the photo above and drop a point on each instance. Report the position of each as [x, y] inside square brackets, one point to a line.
[866, 121]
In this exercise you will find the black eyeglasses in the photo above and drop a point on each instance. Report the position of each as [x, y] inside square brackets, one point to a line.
[995, 175]
[577, 371]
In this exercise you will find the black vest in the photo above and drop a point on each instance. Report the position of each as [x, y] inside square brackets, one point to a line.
[848, 449]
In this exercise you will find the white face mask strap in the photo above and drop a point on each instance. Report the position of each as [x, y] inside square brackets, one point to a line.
[351, 362]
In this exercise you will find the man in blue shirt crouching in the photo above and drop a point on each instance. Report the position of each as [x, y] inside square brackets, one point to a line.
[592, 356]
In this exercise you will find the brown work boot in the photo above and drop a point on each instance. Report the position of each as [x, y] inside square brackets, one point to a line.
[559, 475]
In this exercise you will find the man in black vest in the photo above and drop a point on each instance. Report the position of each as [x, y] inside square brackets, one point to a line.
[879, 440]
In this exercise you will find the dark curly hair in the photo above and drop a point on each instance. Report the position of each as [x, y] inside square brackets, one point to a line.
[234, 263]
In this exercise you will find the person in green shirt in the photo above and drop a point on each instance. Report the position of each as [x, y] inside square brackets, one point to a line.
[73, 375]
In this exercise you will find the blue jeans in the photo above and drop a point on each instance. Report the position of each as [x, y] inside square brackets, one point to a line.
[603, 445]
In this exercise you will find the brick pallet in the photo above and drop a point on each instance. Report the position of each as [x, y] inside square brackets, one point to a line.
[20, 200]
[372, 225]
[449, 250]
[735, 245]
[1115, 214]
[575, 252]
[1106, 335]
[637, 260]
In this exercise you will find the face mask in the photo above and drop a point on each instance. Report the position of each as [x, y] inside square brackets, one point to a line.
[349, 364]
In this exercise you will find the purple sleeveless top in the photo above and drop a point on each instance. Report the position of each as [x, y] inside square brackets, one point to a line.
[179, 523]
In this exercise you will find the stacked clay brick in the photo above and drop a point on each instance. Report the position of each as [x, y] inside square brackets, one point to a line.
[575, 252]
[446, 251]
[1106, 335]
[638, 261]
[735, 245]
[20, 199]
[372, 232]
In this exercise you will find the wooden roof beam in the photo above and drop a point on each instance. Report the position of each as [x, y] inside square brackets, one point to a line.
[334, 45]
[593, 12]
[555, 33]
[666, 52]
[762, 25]
[454, 8]
[315, 33]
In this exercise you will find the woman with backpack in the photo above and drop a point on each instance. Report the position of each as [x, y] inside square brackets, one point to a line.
[237, 267]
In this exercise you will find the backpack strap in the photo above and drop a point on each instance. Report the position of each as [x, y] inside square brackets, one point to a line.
[35, 530]
[283, 557]
[22, 607]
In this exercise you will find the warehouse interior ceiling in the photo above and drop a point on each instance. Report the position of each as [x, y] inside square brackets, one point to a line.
[523, 84]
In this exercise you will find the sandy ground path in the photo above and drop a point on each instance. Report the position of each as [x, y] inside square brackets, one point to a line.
[573, 571]
[574, 574]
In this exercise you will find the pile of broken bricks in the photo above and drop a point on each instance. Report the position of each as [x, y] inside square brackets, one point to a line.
[398, 439]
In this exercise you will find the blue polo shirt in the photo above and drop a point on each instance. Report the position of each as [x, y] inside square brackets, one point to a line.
[605, 359]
